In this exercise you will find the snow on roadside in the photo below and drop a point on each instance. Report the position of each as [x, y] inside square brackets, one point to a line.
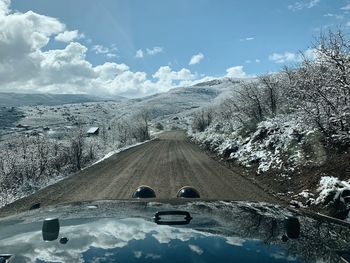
[266, 147]
[117, 151]
[153, 134]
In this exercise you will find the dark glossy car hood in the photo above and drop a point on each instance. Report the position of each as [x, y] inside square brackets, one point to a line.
[119, 231]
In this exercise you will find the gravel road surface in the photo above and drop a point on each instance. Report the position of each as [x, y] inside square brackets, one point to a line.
[166, 164]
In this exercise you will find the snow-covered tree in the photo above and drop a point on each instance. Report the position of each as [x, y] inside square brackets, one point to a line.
[320, 86]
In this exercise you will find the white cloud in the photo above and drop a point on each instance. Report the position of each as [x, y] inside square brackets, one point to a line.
[99, 49]
[21, 39]
[236, 72]
[111, 55]
[4, 6]
[139, 53]
[109, 52]
[248, 61]
[68, 36]
[155, 50]
[25, 67]
[110, 70]
[166, 77]
[23, 33]
[149, 51]
[290, 57]
[303, 4]
[196, 59]
[334, 15]
[247, 39]
[285, 57]
[346, 7]
[66, 66]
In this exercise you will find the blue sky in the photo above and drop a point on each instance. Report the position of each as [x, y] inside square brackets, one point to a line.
[251, 36]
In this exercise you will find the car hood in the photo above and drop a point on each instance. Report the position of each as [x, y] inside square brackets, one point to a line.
[107, 231]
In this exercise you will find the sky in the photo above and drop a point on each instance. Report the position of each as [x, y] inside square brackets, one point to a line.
[135, 48]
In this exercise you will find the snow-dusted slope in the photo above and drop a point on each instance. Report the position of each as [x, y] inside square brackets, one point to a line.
[186, 99]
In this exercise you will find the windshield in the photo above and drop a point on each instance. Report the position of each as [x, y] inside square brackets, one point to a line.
[175, 100]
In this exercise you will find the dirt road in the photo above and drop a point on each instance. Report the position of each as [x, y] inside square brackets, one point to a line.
[166, 164]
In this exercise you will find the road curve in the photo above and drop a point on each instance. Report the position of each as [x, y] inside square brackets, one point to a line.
[166, 164]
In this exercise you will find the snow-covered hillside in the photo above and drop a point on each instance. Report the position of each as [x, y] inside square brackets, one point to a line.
[186, 99]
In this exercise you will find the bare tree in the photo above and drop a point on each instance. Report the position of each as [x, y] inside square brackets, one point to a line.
[77, 143]
[122, 128]
[271, 86]
[202, 119]
[140, 128]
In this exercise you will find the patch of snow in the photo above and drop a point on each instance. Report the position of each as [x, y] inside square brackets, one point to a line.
[117, 151]
[285, 176]
[329, 185]
[297, 204]
[305, 193]
[155, 133]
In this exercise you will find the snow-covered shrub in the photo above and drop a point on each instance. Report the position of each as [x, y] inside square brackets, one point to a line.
[270, 145]
[277, 143]
[202, 119]
[29, 163]
[335, 195]
[329, 188]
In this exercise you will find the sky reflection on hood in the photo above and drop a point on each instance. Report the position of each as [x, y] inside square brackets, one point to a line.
[139, 240]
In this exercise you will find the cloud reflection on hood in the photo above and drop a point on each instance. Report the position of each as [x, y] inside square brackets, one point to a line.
[102, 234]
